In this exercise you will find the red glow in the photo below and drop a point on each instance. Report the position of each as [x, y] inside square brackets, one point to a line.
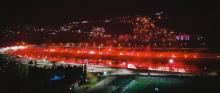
[130, 59]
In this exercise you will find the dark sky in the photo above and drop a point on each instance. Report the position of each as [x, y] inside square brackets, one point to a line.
[58, 12]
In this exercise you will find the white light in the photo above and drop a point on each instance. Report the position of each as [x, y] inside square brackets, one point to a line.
[150, 68]
[91, 52]
[185, 56]
[52, 50]
[195, 56]
[100, 52]
[105, 73]
[171, 61]
[156, 89]
[121, 53]
[13, 48]
[78, 51]
[131, 66]
[123, 63]
[173, 56]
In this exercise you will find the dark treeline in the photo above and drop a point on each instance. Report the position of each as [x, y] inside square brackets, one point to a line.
[19, 78]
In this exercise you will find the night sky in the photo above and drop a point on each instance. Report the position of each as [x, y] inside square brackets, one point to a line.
[184, 12]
